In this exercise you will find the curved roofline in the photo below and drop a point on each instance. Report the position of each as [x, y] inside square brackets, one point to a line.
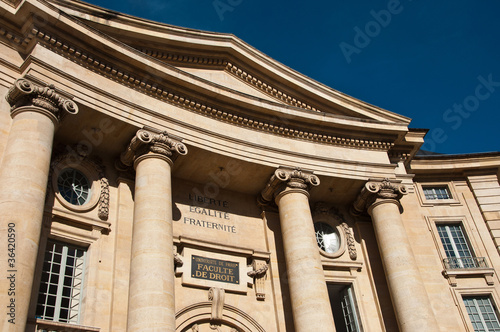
[458, 156]
[455, 163]
[228, 43]
[88, 46]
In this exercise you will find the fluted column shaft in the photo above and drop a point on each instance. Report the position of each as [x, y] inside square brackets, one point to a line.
[23, 186]
[151, 293]
[409, 296]
[308, 292]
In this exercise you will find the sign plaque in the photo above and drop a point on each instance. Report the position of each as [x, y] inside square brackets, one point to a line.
[215, 270]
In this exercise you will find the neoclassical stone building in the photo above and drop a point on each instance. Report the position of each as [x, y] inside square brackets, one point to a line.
[156, 178]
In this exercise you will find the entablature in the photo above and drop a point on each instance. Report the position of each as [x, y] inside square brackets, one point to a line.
[182, 46]
[244, 111]
[456, 165]
[133, 69]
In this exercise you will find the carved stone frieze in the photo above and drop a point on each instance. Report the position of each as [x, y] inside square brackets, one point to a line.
[216, 296]
[267, 88]
[196, 328]
[157, 90]
[178, 260]
[74, 157]
[103, 212]
[285, 178]
[26, 93]
[259, 274]
[149, 142]
[234, 70]
[351, 246]
[322, 210]
[378, 190]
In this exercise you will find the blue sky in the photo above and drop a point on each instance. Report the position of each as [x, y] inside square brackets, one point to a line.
[437, 62]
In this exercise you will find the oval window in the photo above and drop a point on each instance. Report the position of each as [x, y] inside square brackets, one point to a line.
[327, 237]
[73, 186]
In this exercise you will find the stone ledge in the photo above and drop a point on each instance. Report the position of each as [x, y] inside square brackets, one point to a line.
[453, 274]
[47, 325]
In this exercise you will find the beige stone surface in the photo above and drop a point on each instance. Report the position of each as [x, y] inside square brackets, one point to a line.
[242, 115]
[308, 293]
[411, 304]
[23, 181]
[121, 266]
[151, 295]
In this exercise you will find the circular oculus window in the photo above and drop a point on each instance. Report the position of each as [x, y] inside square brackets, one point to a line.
[327, 237]
[74, 186]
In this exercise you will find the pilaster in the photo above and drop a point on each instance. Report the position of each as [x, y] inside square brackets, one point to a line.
[486, 190]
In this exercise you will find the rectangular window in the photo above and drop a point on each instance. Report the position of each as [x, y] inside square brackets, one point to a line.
[433, 193]
[61, 284]
[482, 314]
[344, 308]
[457, 250]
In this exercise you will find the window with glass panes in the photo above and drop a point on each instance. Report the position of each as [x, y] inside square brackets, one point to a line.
[455, 246]
[60, 292]
[327, 238]
[349, 310]
[482, 314]
[432, 193]
[344, 309]
[74, 186]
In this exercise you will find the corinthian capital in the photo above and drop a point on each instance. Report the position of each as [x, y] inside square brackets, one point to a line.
[24, 94]
[378, 190]
[145, 142]
[288, 179]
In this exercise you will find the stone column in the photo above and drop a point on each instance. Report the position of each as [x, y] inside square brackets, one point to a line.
[309, 295]
[409, 297]
[151, 294]
[35, 111]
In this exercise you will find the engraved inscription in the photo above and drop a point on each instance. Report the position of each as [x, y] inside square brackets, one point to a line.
[215, 270]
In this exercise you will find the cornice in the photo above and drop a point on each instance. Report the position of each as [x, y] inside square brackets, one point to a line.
[12, 3]
[139, 31]
[152, 88]
[267, 88]
[14, 38]
[455, 163]
[185, 59]
[234, 70]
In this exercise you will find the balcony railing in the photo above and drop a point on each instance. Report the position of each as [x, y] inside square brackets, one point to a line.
[465, 263]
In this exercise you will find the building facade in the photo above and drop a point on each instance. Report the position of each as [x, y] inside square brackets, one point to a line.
[157, 178]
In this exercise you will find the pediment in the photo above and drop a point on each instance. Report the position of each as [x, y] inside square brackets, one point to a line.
[223, 78]
[225, 60]
[210, 74]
